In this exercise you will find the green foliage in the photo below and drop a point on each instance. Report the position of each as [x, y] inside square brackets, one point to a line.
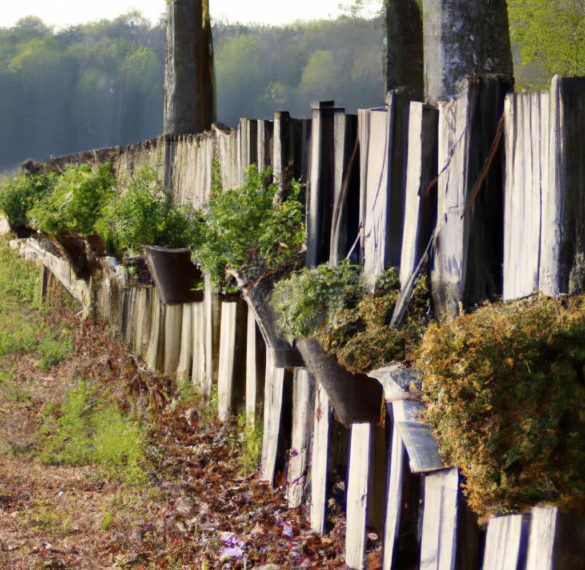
[309, 299]
[20, 193]
[249, 230]
[360, 336]
[54, 347]
[550, 36]
[90, 430]
[506, 399]
[333, 305]
[142, 214]
[250, 445]
[75, 203]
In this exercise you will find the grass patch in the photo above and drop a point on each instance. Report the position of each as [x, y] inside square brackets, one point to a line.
[88, 429]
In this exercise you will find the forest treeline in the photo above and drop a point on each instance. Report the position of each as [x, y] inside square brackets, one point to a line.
[101, 84]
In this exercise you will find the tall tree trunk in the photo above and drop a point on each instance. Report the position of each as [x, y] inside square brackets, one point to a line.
[189, 77]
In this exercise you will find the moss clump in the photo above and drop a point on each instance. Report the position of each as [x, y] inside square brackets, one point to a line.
[333, 305]
[505, 388]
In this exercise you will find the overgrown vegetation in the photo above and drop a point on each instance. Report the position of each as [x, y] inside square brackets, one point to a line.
[20, 193]
[251, 229]
[76, 201]
[333, 305]
[142, 214]
[506, 399]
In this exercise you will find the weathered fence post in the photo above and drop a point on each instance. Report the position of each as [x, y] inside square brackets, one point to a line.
[420, 209]
[186, 354]
[227, 358]
[467, 265]
[506, 543]
[320, 460]
[172, 337]
[302, 427]
[189, 85]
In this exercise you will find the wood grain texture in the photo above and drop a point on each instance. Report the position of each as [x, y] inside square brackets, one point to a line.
[273, 398]
[320, 460]
[439, 531]
[358, 488]
[506, 543]
[302, 432]
[227, 355]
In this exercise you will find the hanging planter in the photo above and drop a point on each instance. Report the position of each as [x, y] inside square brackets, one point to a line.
[176, 278]
[82, 253]
[356, 398]
[258, 296]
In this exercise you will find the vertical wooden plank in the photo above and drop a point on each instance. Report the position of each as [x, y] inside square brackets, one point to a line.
[357, 495]
[209, 300]
[227, 352]
[468, 259]
[252, 372]
[420, 207]
[557, 540]
[155, 346]
[526, 139]
[394, 498]
[143, 318]
[186, 355]
[172, 337]
[273, 396]
[439, 534]
[265, 139]
[506, 542]
[319, 460]
[247, 145]
[374, 191]
[199, 370]
[302, 429]
[563, 201]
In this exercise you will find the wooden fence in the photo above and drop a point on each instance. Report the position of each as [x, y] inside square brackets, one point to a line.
[399, 181]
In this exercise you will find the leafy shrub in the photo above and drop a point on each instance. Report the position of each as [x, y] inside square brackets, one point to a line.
[309, 299]
[142, 215]
[75, 203]
[249, 230]
[506, 398]
[20, 193]
[333, 305]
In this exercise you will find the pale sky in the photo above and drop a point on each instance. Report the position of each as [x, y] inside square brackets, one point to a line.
[62, 13]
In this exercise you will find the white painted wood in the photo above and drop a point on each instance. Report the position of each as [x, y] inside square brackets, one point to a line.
[421, 447]
[172, 337]
[527, 148]
[227, 354]
[251, 371]
[199, 369]
[506, 542]
[186, 355]
[439, 531]
[153, 353]
[357, 495]
[449, 269]
[320, 460]
[209, 299]
[273, 394]
[302, 430]
[374, 190]
[543, 533]
[394, 499]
